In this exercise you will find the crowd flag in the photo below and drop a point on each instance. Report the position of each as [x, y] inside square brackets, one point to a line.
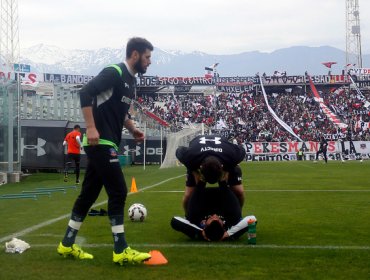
[332, 117]
[280, 121]
[359, 93]
[328, 64]
[210, 70]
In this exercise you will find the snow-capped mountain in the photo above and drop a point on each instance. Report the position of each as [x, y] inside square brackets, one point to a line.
[294, 60]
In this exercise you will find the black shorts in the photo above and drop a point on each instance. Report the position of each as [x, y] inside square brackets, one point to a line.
[74, 157]
[235, 177]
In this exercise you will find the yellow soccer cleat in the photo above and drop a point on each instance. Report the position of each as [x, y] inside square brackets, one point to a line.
[130, 256]
[73, 251]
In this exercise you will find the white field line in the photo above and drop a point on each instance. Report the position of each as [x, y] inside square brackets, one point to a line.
[49, 222]
[276, 191]
[226, 245]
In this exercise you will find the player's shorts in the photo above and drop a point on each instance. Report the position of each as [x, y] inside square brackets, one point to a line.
[74, 157]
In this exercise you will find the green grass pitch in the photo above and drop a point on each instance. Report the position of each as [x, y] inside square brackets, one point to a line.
[313, 223]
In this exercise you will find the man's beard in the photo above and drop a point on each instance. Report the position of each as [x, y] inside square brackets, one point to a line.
[139, 67]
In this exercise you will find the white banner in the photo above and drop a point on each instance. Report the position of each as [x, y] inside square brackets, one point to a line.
[280, 121]
[359, 71]
[285, 151]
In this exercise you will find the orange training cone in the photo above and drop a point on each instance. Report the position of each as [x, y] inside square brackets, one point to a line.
[133, 185]
[156, 259]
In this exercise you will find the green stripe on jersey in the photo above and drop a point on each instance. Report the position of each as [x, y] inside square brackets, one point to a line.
[116, 67]
[101, 142]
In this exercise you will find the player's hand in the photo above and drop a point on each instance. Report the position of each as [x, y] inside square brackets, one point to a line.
[205, 236]
[224, 176]
[197, 177]
[138, 135]
[92, 136]
[226, 235]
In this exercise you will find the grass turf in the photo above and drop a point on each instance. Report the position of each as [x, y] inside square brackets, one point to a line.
[313, 223]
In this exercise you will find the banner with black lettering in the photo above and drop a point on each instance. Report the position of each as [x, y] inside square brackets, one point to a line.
[285, 151]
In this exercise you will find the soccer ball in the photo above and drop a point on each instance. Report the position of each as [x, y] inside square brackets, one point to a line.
[137, 212]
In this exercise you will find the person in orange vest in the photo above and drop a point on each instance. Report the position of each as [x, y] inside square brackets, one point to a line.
[73, 142]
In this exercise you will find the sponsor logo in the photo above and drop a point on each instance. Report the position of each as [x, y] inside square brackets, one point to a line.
[38, 147]
[150, 151]
[128, 150]
[363, 146]
[126, 100]
[113, 152]
[204, 140]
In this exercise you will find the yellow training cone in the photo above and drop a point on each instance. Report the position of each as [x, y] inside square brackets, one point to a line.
[133, 185]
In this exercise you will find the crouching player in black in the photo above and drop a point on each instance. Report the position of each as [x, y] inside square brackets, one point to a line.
[212, 213]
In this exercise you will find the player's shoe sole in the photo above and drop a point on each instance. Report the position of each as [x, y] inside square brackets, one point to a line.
[130, 256]
[73, 251]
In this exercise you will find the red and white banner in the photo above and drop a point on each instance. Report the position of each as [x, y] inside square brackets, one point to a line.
[333, 117]
[26, 78]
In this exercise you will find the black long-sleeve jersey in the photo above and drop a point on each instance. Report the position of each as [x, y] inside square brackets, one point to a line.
[210, 145]
[110, 94]
[323, 145]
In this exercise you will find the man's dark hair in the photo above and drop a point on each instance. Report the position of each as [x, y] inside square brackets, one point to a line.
[138, 44]
[211, 169]
[76, 126]
[214, 231]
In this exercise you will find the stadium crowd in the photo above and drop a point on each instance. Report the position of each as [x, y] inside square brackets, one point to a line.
[246, 117]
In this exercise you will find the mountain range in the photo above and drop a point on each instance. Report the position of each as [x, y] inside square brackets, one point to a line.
[294, 60]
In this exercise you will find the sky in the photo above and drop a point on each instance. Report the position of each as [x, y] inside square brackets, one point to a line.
[210, 26]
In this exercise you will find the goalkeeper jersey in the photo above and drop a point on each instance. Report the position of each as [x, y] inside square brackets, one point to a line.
[110, 94]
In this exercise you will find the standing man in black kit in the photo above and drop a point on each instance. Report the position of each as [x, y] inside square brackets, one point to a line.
[322, 149]
[105, 103]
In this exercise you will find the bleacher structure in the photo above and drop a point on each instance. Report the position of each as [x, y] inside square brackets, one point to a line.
[62, 103]
[177, 139]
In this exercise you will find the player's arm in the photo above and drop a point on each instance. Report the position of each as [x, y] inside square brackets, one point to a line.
[183, 225]
[130, 126]
[236, 184]
[106, 79]
[65, 140]
[92, 133]
[192, 179]
[188, 193]
[239, 228]
[78, 139]
[238, 190]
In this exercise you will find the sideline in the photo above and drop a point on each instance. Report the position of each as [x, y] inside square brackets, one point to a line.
[49, 222]
[226, 245]
[276, 191]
